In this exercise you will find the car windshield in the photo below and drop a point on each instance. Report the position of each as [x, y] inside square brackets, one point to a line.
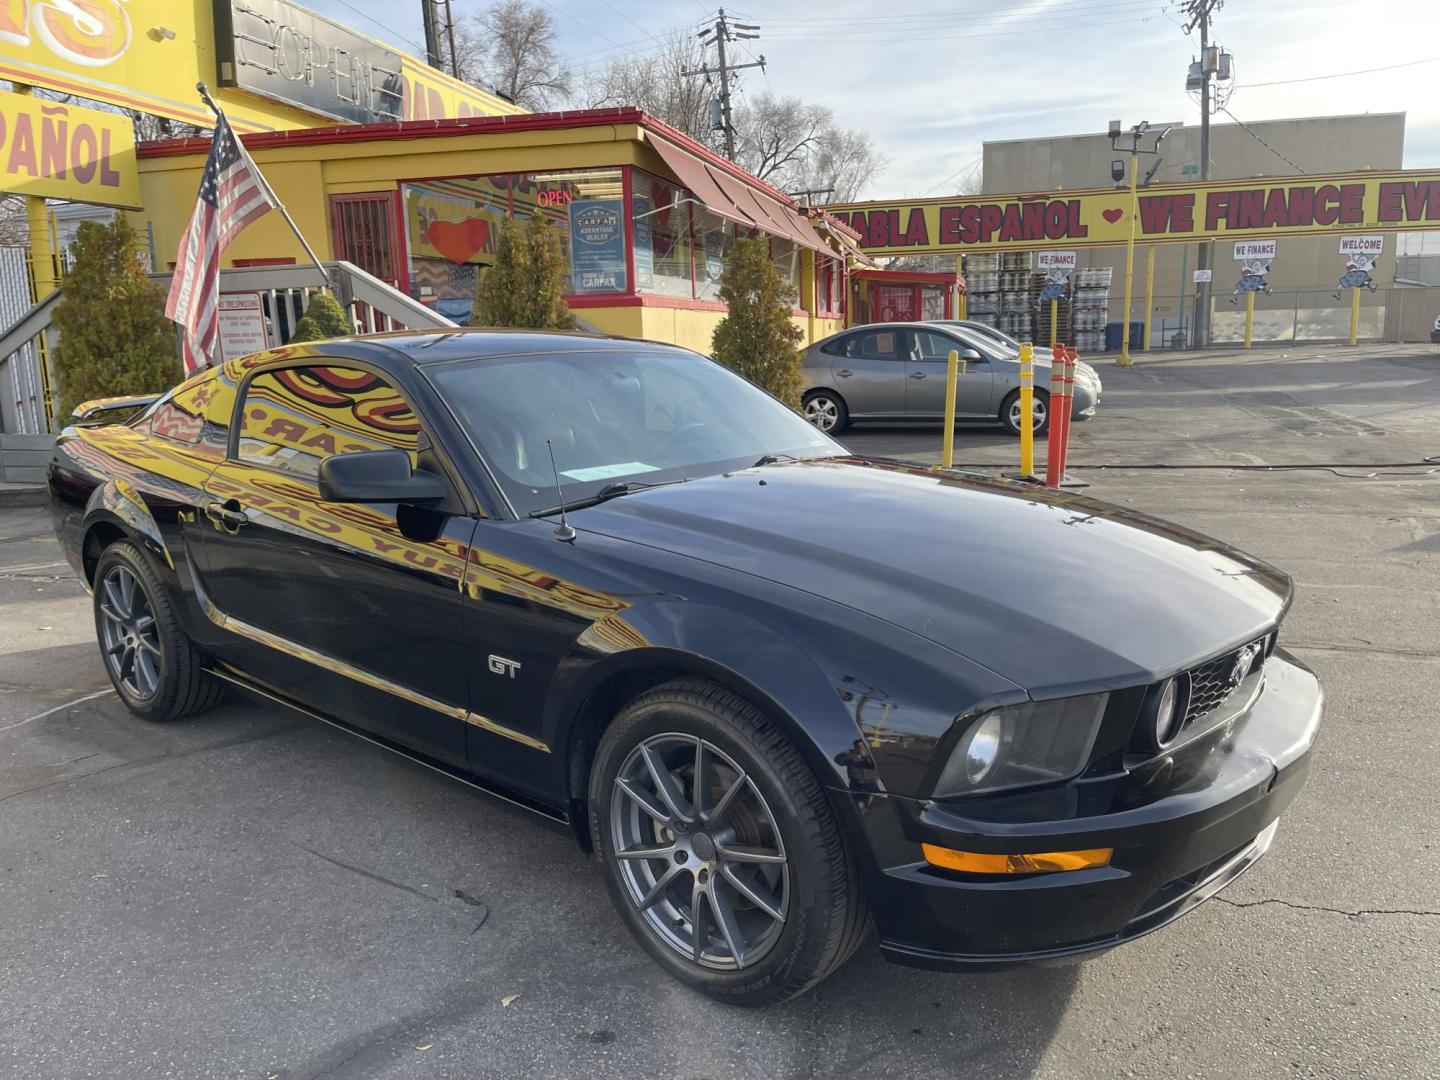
[612, 417]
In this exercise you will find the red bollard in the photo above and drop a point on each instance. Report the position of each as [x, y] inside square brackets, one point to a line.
[1067, 406]
[1054, 439]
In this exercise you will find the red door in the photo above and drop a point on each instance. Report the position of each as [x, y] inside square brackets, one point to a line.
[365, 231]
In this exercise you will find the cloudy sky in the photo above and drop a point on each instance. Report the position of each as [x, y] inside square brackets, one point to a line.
[932, 84]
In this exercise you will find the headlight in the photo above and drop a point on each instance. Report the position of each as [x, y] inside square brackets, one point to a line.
[1163, 713]
[1036, 742]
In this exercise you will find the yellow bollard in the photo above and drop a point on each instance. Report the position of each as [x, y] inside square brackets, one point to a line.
[1054, 321]
[1250, 315]
[1027, 404]
[1149, 292]
[1354, 315]
[952, 372]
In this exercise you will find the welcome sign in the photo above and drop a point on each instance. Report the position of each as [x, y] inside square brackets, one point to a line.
[1169, 213]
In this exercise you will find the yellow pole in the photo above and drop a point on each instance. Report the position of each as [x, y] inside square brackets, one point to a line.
[1354, 315]
[1249, 315]
[42, 260]
[1027, 403]
[1149, 291]
[952, 372]
[1054, 321]
[1125, 360]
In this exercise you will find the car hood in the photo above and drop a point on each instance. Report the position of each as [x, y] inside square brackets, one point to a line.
[1048, 589]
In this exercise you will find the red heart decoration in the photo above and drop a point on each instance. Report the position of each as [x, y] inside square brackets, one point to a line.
[1112, 216]
[458, 240]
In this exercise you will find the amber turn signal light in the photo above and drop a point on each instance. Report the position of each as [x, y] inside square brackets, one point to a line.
[975, 862]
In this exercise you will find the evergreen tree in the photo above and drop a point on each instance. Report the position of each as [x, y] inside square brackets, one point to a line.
[756, 339]
[525, 284]
[114, 337]
[323, 318]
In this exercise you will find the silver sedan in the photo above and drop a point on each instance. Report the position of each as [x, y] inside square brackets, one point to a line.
[896, 371]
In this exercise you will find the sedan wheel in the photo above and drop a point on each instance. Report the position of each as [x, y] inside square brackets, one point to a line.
[1039, 413]
[155, 668]
[699, 851]
[826, 411]
[720, 850]
[128, 637]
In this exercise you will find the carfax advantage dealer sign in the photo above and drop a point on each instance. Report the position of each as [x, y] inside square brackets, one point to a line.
[1169, 213]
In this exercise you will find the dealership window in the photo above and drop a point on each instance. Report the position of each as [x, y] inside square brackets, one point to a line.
[828, 282]
[452, 228]
[661, 215]
[785, 257]
[714, 237]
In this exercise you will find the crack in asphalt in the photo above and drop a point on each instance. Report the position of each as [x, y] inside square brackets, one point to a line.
[1326, 910]
[1335, 646]
[368, 874]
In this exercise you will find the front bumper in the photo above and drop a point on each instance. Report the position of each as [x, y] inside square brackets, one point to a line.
[1182, 828]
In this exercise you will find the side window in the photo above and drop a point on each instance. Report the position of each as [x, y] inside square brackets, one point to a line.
[928, 345]
[840, 346]
[294, 418]
[874, 345]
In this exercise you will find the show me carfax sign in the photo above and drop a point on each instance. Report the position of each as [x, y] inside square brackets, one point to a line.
[1169, 213]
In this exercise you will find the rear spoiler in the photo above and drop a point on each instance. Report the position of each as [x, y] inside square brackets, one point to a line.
[89, 410]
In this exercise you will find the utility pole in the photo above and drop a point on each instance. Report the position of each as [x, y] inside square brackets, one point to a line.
[1198, 14]
[723, 33]
[432, 34]
[450, 35]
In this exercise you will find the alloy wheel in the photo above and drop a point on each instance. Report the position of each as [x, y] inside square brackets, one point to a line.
[822, 412]
[1037, 413]
[130, 639]
[699, 851]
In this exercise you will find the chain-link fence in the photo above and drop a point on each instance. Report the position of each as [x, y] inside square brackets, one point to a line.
[23, 401]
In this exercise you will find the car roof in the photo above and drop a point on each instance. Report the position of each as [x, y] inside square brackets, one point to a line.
[424, 347]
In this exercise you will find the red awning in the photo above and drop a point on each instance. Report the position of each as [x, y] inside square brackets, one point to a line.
[735, 200]
[691, 172]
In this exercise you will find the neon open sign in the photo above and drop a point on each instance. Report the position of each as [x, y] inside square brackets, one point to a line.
[558, 197]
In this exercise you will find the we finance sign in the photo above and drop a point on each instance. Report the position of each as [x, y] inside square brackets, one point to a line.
[1170, 213]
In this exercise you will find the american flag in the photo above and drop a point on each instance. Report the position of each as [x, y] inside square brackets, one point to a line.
[232, 195]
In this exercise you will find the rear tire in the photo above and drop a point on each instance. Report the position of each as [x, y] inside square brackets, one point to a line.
[1010, 412]
[827, 411]
[155, 668]
[761, 868]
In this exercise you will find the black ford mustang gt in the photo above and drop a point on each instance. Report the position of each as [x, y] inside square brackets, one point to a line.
[782, 692]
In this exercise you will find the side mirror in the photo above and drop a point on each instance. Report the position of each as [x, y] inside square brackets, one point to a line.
[377, 476]
[970, 354]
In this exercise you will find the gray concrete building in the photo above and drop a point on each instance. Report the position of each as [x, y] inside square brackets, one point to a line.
[1306, 270]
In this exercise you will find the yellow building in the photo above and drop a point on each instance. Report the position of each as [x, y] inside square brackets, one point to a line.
[645, 215]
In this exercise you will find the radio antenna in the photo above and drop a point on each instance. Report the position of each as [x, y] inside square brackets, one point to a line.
[563, 531]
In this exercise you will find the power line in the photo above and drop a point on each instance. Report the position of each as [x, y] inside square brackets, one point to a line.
[584, 26]
[1340, 74]
[382, 26]
[1085, 24]
[952, 176]
[1261, 141]
[965, 18]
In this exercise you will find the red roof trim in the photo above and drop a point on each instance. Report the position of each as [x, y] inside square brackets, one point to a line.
[401, 130]
[906, 275]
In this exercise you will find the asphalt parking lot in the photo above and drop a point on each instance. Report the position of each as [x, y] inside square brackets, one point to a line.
[252, 894]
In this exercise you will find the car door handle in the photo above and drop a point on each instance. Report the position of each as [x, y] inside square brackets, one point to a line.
[917, 374]
[843, 373]
[228, 515]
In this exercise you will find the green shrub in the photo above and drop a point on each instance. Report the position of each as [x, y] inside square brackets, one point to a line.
[525, 284]
[756, 339]
[114, 337]
[324, 318]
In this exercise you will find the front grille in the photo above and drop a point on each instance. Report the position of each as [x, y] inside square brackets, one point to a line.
[1209, 684]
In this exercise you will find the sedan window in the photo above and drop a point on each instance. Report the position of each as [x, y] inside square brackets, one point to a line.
[615, 417]
[294, 418]
[874, 345]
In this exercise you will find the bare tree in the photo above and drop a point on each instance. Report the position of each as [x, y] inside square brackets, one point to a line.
[655, 81]
[14, 230]
[797, 147]
[511, 46]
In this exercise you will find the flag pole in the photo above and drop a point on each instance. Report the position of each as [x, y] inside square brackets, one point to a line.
[324, 274]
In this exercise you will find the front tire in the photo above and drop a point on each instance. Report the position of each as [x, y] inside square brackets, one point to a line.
[1039, 417]
[827, 411]
[719, 848]
[153, 665]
